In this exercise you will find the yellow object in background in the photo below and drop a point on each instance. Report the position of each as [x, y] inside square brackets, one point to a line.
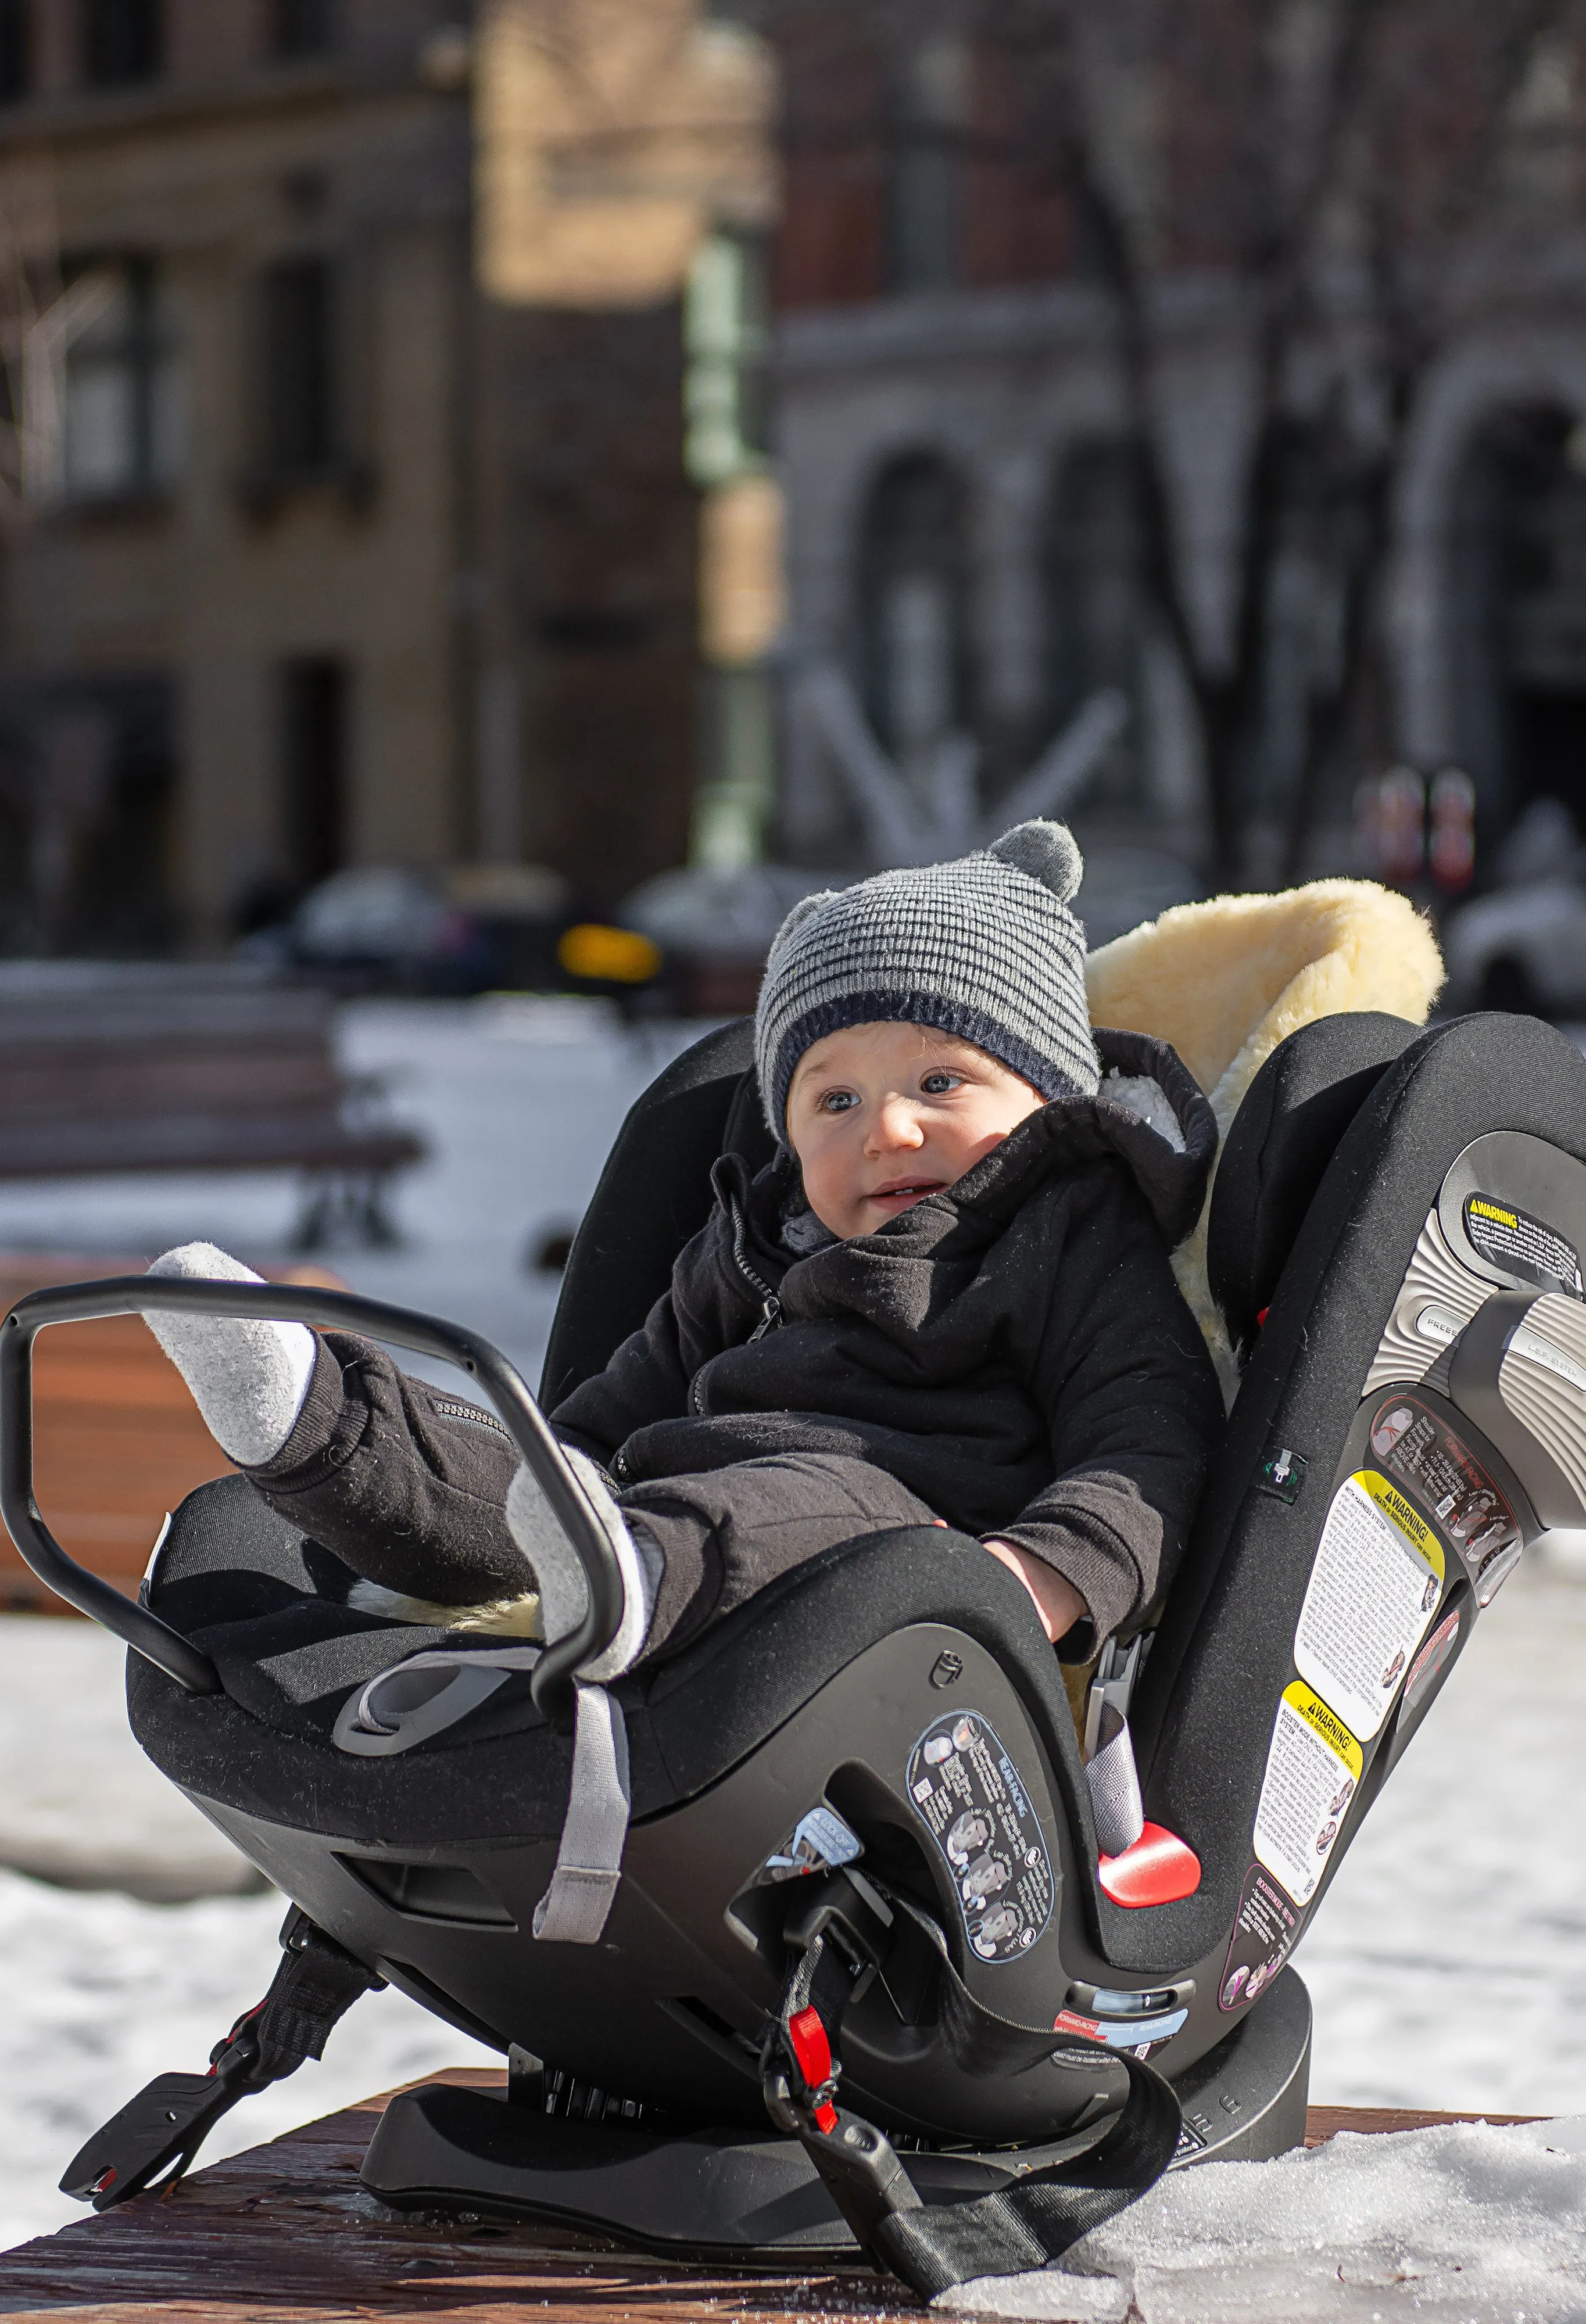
[608, 956]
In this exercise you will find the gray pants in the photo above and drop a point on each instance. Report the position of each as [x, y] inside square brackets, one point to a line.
[408, 1486]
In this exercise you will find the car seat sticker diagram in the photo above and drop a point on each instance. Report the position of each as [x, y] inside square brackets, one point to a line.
[1510, 1239]
[1377, 1580]
[1424, 1450]
[1313, 1765]
[970, 1799]
[1265, 1928]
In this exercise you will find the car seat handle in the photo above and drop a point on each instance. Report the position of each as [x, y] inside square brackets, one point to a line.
[141, 1629]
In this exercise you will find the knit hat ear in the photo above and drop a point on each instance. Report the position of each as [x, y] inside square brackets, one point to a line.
[801, 912]
[1047, 851]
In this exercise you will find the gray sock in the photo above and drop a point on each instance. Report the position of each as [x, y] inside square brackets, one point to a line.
[563, 1592]
[248, 1378]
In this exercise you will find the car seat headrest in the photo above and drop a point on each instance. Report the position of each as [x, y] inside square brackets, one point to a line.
[1284, 1136]
[655, 1193]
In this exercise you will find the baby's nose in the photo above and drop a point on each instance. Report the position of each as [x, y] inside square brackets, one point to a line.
[897, 1124]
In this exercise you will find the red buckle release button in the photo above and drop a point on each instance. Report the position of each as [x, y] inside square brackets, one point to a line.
[810, 2047]
[1158, 1869]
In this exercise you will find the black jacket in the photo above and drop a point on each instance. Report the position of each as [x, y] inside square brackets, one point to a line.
[1015, 1351]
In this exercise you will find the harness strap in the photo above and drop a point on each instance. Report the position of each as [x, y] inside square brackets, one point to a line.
[933, 2246]
[589, 1861]
[156, 2135]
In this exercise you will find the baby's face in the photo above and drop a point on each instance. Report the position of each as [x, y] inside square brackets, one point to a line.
[880, 1115]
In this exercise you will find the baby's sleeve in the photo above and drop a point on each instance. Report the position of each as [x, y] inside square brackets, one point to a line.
[1134, 1410]
[648, 1380]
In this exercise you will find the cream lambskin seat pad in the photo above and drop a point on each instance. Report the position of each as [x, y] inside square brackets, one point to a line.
[1226, 981]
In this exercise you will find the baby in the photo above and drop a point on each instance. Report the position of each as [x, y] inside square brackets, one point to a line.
[946, 1300]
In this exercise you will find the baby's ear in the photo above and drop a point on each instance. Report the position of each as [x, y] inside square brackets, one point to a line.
[1047, 851]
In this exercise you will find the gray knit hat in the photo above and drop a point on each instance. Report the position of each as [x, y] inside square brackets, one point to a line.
[986, 949]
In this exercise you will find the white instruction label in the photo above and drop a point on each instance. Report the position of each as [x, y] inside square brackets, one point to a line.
[1374, 1587]
[1313, 1767]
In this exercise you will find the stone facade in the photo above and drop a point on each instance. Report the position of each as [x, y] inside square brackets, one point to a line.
[988, 378]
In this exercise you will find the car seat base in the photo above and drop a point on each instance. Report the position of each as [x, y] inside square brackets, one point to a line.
[729, 2193]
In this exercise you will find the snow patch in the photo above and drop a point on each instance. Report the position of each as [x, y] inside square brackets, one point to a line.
[1465, 2222]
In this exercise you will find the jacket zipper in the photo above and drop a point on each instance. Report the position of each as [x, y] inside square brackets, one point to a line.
[770, 1306]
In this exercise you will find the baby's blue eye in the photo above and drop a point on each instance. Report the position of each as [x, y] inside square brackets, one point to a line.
[839, 1100]
[938, 1084]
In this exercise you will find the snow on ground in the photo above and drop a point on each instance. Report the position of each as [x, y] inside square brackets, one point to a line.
[1448, 1965]
[1465, 2223]
[104, 1993]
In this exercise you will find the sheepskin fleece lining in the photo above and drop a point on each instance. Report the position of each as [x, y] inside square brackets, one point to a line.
[1226, 981]
[1147, 1101]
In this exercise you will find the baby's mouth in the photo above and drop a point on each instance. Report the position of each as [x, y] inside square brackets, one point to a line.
[905, 1191]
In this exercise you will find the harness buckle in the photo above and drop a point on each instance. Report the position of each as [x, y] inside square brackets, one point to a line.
[840, 1937]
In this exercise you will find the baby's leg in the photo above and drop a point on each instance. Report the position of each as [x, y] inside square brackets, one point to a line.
[406, 1484]
[724, 1534]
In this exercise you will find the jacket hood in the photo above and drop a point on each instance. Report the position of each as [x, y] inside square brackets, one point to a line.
[1149, 1113]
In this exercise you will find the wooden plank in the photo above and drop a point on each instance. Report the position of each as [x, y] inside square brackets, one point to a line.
[1322, 2123]
[286, 2232]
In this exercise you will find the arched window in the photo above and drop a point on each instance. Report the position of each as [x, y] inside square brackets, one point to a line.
[912, 607]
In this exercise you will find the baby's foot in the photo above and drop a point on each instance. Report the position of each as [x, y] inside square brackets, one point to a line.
[564, 1592]
[249, 1377]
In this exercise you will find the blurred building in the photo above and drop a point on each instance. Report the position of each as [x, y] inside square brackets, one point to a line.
[347, 517]
[965, 541]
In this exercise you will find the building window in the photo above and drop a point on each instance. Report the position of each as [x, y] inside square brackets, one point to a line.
[121, 422]
[931, 110]
[13, 51]
[314, 702]
[301, 431]
[121, 41]
[913, 611]
[301, 28]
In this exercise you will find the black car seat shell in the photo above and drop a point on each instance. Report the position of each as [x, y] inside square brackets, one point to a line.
[827, 1690]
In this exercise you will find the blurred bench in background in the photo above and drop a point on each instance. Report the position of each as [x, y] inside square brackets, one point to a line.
[118, 1439]
[191, 1068]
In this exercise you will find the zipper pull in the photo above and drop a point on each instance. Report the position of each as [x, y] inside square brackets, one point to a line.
[770, 1316]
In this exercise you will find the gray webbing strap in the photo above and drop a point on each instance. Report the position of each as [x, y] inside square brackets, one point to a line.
[588, 1862]
[1115, 1786]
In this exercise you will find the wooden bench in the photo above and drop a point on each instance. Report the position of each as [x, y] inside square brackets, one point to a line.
[180, 1067]
[286, 2231]
[118, 1438]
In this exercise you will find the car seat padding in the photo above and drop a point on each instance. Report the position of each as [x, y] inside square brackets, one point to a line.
[1278, 1151]
[653, 1195]
[687, 1725]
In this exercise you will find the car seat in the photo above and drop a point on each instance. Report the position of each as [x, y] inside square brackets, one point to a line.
[839, 1793]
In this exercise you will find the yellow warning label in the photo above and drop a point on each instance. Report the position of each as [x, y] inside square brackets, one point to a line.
[1409, 1521]
[1481, 1208]
[1316, 1714]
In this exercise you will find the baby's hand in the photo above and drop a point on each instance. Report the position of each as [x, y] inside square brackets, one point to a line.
[1057, 1601]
